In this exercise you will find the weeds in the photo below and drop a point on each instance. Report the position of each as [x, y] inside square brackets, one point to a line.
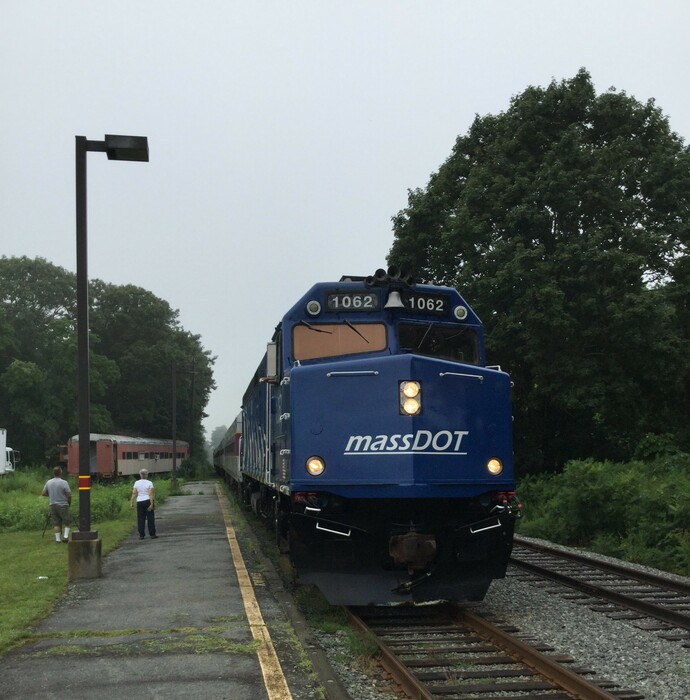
[638, 511]
[23, 507]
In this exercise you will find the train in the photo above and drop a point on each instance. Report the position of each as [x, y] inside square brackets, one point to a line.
[226, 455]
[121, 455]
[377, 442]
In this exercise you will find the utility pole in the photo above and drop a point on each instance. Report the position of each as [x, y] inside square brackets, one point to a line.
[174, 428]
[191, 410]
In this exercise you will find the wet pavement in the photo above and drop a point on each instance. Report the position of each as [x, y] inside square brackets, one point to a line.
[166, 620]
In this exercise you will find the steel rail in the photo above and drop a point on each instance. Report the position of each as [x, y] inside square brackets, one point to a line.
[622, 569]
[556, 673]
[413, 687]
[672, 617]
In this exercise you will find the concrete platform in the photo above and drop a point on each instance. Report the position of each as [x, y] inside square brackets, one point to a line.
[166, 620]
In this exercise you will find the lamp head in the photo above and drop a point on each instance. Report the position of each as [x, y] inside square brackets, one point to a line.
[127, 147]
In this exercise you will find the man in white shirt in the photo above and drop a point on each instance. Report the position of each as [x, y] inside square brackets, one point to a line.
[143, 493]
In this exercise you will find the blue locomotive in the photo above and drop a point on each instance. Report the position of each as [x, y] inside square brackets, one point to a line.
[379, 443]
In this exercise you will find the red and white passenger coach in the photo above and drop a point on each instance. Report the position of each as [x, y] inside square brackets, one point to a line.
[120, 455]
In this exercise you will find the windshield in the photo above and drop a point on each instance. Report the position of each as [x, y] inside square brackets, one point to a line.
[445, 342]
[312, 340]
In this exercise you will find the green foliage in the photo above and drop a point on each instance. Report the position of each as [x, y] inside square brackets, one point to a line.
[195, 469]
[563, 220]
[334, 620]
[23, 507]
[136, 340]
[638, 511]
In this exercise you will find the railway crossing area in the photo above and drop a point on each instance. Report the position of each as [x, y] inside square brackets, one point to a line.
[189, 614]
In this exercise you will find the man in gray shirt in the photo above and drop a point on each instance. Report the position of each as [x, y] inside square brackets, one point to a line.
[60, 495]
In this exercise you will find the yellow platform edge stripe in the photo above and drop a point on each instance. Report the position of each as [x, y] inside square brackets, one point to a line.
[274, 679]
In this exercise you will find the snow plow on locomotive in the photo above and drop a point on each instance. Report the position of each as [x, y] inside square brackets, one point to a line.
[380, 444]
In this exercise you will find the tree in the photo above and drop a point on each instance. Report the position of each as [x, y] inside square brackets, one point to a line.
[142, 334]
[135, 341]
[38, 359]
[217, 435]
[564, 222]
[33, 294]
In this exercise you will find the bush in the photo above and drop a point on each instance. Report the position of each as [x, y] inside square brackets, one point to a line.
[23, 507]
[638, 511]
[30, 481]
[193, 468]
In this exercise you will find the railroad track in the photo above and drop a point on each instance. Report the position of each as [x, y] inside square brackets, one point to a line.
[651, 602]
[446, 651]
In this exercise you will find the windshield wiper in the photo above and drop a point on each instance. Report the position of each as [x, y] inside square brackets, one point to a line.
[347, 323]
[421, 342]
[314, 328]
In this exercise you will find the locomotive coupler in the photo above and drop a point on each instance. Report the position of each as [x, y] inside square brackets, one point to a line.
[413, 550]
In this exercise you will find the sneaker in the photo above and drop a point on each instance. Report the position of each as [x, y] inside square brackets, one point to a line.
[141, 537]
[154, 537]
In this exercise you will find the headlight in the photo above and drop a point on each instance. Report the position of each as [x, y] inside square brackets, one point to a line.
[410, 389]
[495, 466]
[410, 398]
[315, 466]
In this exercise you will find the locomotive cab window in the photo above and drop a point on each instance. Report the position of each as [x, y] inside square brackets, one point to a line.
[313, 340]
[445, 342]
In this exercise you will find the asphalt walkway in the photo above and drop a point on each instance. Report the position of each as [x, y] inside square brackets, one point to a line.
[166, 620]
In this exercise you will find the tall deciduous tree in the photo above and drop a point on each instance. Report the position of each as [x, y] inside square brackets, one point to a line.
[564, 220]
[142, 334]
[136, 340]
[38, 390]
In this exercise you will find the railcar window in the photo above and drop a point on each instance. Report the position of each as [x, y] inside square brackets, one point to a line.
[444, 342]
[310, 341]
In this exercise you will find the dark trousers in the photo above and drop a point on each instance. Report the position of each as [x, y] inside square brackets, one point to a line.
[144, 515]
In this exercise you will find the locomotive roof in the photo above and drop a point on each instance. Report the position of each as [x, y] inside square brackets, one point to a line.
[355, 283]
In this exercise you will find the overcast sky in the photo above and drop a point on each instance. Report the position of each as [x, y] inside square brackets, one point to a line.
[283, 135]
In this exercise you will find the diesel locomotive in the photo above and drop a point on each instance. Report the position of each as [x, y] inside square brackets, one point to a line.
[379, 443]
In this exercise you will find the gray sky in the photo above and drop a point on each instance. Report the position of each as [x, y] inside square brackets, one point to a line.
[283, 135]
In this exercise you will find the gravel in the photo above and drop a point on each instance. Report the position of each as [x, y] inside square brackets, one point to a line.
[360, 683]
[615, 649]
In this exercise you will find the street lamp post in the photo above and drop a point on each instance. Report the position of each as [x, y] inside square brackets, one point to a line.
[132, 148]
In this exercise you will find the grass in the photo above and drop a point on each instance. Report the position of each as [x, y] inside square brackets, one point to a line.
[33, 576]
[33, 568]
[201, 643]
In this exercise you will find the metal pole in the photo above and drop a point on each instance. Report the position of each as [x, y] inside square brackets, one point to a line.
[117, 148]
[192, 424]
[84, 399]
[174, 426]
